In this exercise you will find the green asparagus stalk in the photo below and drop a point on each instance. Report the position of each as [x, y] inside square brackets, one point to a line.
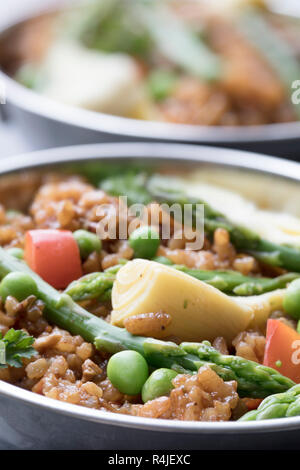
[178, 43]
[135, 26]
[241, 370]
[253, 379]
[243, 239]
[281, 405]
[232, 282]
[110, 26]
[158, 188]
[94, 286]
[98, 285]
[130, 184]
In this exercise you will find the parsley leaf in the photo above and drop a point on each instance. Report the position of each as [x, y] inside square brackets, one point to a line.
[15, 346]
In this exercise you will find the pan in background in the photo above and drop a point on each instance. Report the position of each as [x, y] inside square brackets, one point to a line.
[47, 123]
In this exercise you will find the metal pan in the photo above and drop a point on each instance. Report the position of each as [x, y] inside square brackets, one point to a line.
[31, 421]
[47, 123]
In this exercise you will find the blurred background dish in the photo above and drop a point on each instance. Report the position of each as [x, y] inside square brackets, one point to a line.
[216, 72]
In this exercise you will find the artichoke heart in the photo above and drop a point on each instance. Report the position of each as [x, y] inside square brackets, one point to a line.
[198, 310]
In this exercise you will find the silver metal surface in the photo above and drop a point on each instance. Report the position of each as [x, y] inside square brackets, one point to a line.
[49, 123]
[29, 420]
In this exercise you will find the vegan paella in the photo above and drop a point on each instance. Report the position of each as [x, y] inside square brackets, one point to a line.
[144, 321]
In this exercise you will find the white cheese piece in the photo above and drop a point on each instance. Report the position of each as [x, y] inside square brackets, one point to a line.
[97, 81]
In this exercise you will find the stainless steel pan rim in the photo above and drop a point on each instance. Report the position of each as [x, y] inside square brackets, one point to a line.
[150, 424]
[168, 151]
[37, 104]
[171, 152]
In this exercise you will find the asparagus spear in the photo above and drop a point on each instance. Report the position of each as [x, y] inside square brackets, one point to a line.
[282, 405]
[130, 184]
[243, 239]
[232, 282]
[159, 188]
[98, 285]
[134, 26]
[241, 370]
[108, 26]
[177, 43]
[92, 286]
[253, 379]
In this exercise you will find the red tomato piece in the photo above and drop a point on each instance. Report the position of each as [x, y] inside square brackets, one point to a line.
[54, 256]
[283, 349]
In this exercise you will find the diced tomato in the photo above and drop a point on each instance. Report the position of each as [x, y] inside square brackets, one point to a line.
[53, 255]
[283, 349]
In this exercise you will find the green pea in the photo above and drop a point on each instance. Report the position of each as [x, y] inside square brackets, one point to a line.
[18, 285]
[128, 371]
[158, 384]
[87, 242]
[291, 299]
[16, 252]
[145, 242]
